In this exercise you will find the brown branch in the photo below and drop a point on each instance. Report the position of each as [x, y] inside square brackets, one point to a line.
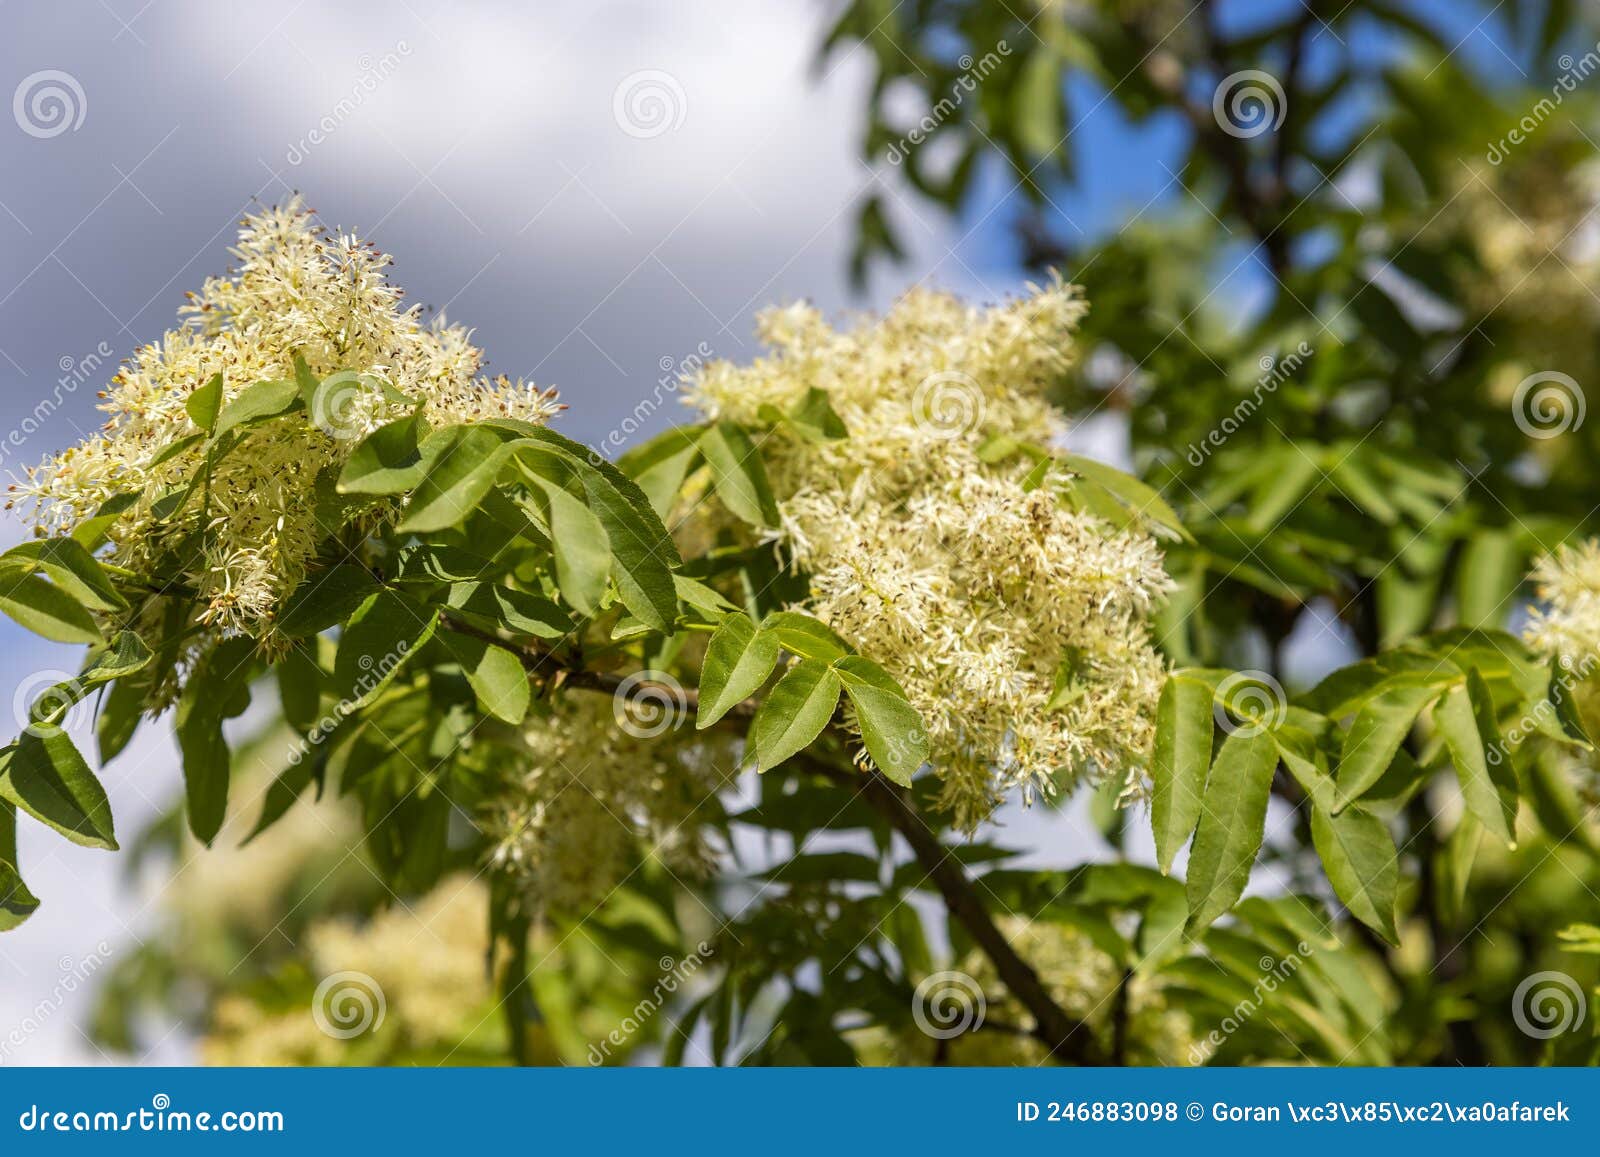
[1068, 1039]
[1283, 146]
[1254, 205]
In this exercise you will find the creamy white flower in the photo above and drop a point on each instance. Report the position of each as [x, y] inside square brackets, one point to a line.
[1567, 583]
[976, 592]
[582, 800]
[295, 291]
[430, 961]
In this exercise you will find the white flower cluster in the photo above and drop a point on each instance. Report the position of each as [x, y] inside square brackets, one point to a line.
[427, 962]
[1567, 583]
[1016, 624]
[295, 290]
[582, 800]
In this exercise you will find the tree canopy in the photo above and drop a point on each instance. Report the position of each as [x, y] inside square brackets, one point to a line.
[702, 747]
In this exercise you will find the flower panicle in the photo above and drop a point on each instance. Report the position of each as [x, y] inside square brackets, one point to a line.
[296, 293]
[1016, 623]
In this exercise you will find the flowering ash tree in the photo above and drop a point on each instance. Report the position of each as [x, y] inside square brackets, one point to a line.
[866, 572]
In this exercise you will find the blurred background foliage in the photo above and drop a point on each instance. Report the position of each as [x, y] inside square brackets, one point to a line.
[1357, 265]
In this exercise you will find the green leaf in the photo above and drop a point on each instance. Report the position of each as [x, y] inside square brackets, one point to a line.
[173, 450]
[508, 609]
[738, 660]
[16, 902]
[497, 676]
[1284, 488]
[1036, 101]
[656, 533]
[643, 553]
[69, 564]
[43, 774]
[1350, 474]
[305, 381]
[638, 542]
[1307, 761]
[435, 562]
[1232, 824]
[1562, 694]
[205, 403]
[1139, 498]
[463, 463]
[810, 808]
[299, 688]
[582, 550]
[1583, 938]
[124, 655]
[891, 727]
[91, 532]
[1488, 578]
[326, 600]
[1184, 725]
[120, 715]
[1454, 862]
[708, 601]
[287, 788]
[1550, 792]
[1406, 604]
[805, 636]
[1466, 719]
[739, 474]
[794, 713]
[257, 403]
[217, 690]
[46, 609]
[1362, 865]
[1380, 727]
[816, 419]
[821, 867]
[387, 461]
[660, 466]
[380, 640]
